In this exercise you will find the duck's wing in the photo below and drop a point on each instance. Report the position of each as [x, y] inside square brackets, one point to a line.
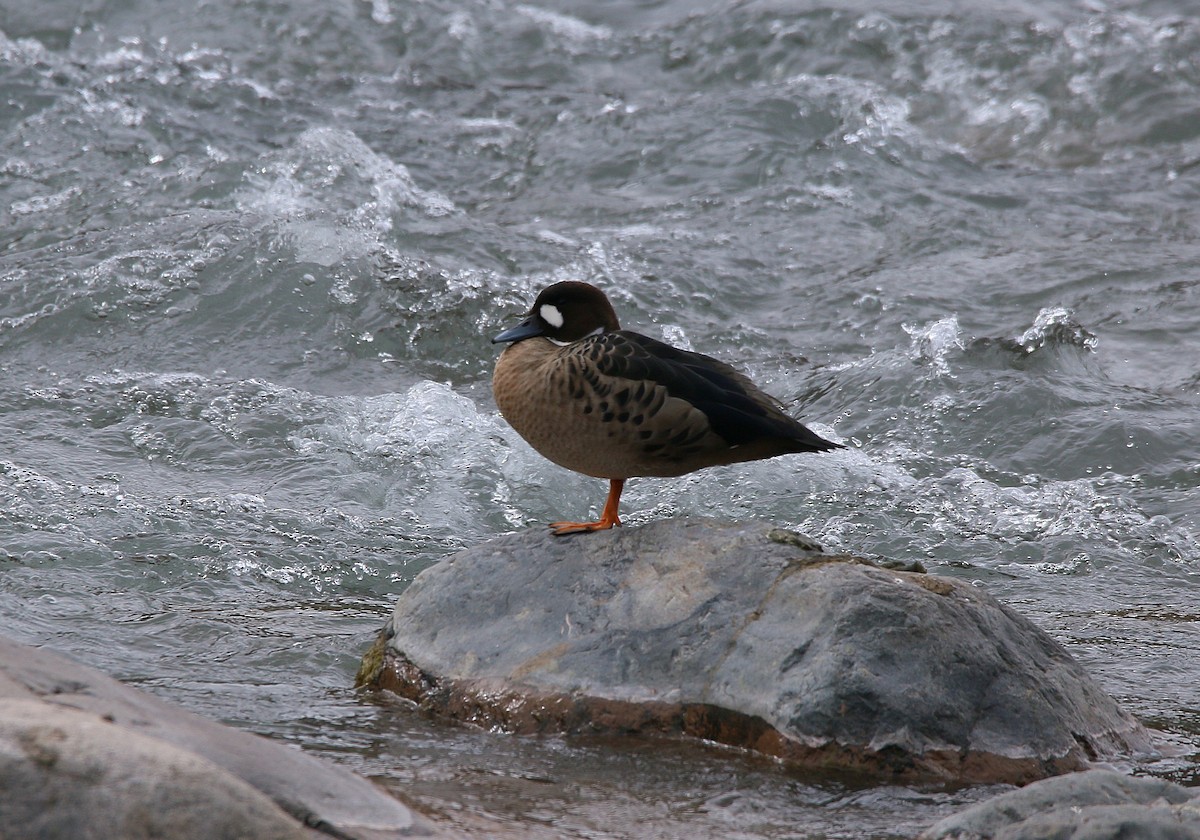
[732, 406]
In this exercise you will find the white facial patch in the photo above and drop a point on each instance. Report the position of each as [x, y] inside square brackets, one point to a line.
[551, 316]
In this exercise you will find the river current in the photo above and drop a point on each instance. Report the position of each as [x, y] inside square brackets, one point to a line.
[252, 254]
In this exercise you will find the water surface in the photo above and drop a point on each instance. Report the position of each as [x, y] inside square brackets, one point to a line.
[252, 256]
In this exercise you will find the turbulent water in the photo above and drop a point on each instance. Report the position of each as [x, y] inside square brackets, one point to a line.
[252, 255]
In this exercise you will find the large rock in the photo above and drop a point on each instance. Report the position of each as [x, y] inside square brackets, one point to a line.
[739, 634]
[66, 773]
[82, 755]
[1095, 805]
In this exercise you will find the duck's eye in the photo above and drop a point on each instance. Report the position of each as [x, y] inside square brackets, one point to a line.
[551, 315]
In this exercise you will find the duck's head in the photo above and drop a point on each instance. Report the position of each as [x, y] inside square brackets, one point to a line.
[563, 313]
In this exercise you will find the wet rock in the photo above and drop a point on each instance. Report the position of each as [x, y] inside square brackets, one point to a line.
[64, 772]
[730, 633]
[82, 755]
[1096, 805]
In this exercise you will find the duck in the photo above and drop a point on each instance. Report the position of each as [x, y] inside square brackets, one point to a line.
[615, 404]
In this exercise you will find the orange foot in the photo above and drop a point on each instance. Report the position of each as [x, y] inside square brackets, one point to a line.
[561, 529]
[607, 519]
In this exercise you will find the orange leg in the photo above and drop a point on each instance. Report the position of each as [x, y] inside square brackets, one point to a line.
[607, 519]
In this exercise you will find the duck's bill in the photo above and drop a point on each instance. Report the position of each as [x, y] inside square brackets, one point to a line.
[528, 328]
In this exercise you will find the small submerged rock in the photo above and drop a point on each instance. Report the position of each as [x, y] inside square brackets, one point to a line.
[735, 633]
[1097, 804]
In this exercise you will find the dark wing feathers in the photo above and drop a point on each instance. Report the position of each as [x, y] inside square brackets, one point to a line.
[736, 409]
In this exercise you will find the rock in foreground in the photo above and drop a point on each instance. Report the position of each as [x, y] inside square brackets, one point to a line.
[738, 634]
[82, 755]
[132, 785]
[1097, 805]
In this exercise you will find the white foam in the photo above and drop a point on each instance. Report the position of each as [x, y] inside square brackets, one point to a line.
[935, 342]
[564, 26]
[331, 177]
[1056, 322]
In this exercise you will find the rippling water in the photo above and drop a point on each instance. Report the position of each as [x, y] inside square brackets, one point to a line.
[252, 255]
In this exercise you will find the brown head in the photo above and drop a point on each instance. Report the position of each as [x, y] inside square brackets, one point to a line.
[563, 313]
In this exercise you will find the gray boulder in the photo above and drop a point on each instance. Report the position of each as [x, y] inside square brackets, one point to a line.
[83, 756]
[72, 774]
[1093, 805]
[743, 635]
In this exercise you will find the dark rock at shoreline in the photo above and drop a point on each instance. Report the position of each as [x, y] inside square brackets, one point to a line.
[82, 755]
[748, 636]
[1096, 805]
